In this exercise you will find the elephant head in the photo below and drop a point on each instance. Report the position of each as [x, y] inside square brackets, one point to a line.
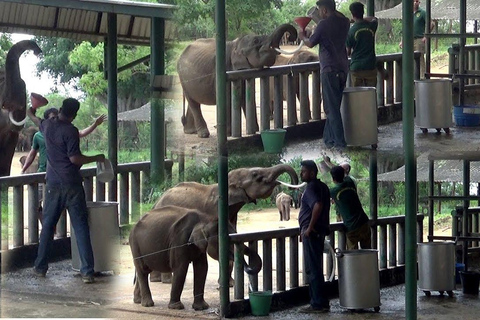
[245, 185]
[13, 103]
[12, 90]
[253, 51]
[205, 237]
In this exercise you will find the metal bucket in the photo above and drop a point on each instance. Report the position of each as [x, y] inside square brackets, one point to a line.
[314, 14]
[358, 279]
[359, 116]
[436, 266]
[104, 236]
[433, 103]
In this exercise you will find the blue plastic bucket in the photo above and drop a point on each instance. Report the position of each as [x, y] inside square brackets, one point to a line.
[467, 115]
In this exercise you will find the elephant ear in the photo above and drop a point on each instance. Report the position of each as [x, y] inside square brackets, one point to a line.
[239, 59]
[199, 238]
[237, 195]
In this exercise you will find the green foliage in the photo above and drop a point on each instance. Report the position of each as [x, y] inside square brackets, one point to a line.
[5, 45]
[55, 60]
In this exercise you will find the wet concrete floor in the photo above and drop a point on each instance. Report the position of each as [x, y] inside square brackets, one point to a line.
[63, 295]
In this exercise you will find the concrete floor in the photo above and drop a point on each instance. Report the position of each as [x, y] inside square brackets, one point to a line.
[63, 295]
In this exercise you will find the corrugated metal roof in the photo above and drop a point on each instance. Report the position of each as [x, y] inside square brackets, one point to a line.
[441, 10]
[84, 19]
[444, 171]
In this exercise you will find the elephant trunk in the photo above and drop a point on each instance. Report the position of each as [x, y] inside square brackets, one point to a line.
[255, 264]
[14, 94]
[277, 34]
[282, 168]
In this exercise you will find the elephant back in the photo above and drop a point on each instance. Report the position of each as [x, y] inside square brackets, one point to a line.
[196, 70]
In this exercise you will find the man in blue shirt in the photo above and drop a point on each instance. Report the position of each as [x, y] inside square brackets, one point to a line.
[314, 220]
[331, 34]
[64, 187]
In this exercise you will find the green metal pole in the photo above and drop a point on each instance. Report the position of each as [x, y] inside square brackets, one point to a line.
[112, 101]
[410, 164]
[157, 113]
[461, 54]
[374, 195]
[222, 156]
[370, 8]
[428, 47]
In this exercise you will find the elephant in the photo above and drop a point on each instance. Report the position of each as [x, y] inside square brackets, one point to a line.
[245, 185]
[13, 101]
[167, 240]
[302, 56]
[196, 70]
[284, 202]
[25, 139]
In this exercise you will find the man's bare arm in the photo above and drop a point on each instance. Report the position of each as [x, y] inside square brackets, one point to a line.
[31, 114]
[80, 159]
[29, 160]
[85, 132]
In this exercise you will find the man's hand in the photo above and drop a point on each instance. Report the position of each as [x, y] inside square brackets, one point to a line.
[100, 120]
[400, 45]
[302, 35]
[100, 158]
[308, 232]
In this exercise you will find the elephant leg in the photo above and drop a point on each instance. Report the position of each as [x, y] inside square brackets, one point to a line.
[157, 276]
[200, 269]
[137, 297]
[189, 122]
[178, 281]
[166, 277]
[143, 289]
[7, 149]
[231, 282]
[201, 127]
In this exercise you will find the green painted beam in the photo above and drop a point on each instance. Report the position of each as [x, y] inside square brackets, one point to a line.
[410, 164]
[370, 8]
[157, 106]
[221, 91]
[142, 9]
[112, 101]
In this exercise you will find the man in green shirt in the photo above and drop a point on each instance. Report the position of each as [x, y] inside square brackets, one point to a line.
[345, 196]
[419, 23]
[361, 48]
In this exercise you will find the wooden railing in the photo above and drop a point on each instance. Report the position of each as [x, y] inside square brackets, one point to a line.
[133, 178]
[242, 83]
[391, 249]
[472, 63]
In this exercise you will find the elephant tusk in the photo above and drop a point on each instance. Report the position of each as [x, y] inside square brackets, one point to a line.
[290, 52]
[18, 124]
[292, 185]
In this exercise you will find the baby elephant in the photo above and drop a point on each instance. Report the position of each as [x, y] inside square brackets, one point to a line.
[167, 240]
[284, 202]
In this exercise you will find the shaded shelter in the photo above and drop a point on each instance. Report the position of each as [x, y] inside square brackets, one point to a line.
[112, 22]
[441, 10]
[445, 171]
